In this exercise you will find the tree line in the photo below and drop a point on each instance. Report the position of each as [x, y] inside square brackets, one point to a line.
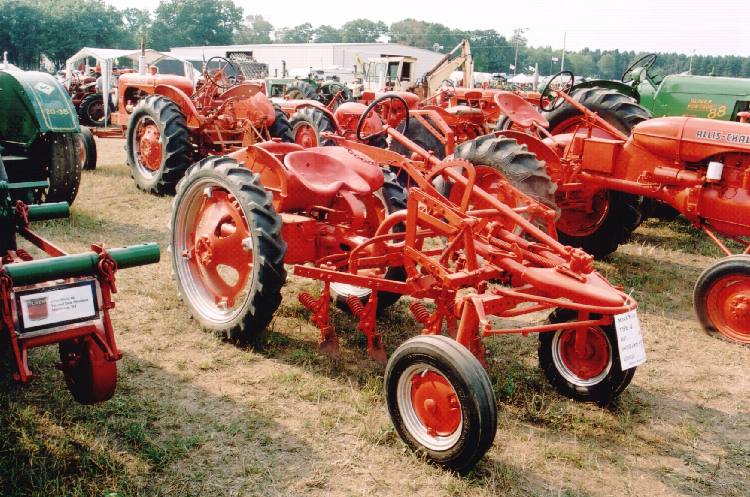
[30, 28]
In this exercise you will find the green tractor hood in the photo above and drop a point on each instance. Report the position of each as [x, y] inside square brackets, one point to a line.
[706, 85]
[33, 103]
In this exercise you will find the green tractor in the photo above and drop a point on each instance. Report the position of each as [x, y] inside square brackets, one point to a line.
[40, 139]
[680, 94]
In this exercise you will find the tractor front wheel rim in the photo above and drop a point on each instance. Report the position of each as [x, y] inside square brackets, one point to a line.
[582, 222]
[215, 246]
[584, 365]
[429, 407]
[728, 307]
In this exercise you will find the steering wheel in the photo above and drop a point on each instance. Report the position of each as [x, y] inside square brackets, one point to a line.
[646, 62]
[567, 79]
[375, 103]
[227, 63]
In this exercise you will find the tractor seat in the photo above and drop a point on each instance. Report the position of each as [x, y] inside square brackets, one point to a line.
[464, 110]
[318, 174]
[519, 110]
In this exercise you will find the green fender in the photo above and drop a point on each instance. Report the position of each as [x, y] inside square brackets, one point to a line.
[33, 103]
[617, 86]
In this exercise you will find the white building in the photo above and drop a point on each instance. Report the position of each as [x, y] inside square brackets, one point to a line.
[337, 58]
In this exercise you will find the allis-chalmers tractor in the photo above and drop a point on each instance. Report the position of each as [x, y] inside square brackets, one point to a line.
[168, 125]
[64, 299]
[604, 157]
[482, 251]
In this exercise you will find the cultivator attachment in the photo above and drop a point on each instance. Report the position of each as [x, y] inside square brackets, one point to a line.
[64, 299]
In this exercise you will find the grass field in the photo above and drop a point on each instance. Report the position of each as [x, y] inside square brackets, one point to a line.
[196, 416]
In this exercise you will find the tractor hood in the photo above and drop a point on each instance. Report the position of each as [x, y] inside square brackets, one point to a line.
[691, 139]
[34, 103]
[705, 85]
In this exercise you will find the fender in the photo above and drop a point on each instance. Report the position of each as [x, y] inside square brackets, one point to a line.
[617, 86]
[183, 102]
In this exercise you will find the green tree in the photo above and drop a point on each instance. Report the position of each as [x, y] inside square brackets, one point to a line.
[195, 22]
[362, 31]
[255, 30]
[607, 66]
[326, 34]
[298, 34]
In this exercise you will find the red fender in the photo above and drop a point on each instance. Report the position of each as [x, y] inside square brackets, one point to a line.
[183, 101]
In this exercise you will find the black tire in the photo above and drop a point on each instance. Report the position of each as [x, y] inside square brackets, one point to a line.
[473, 390]
[248, 323]
[91, 110]
[626, 211]
[63, 167]
[422, 137]
[316, 119]
[521, 167]
[281, 128]
[176, 147]
[724, 273]
[88, 149]
[330, 89]
[394, 197]
[300, 90]
[603, 388]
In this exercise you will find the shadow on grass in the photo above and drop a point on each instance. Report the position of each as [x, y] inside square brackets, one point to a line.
[50, 445]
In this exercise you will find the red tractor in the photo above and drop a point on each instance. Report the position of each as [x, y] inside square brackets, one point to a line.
[606, 157]
[483, 250]
[168, 125]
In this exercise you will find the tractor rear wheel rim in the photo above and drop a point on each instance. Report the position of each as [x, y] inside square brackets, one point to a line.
[579, 222]
[305, 135]
[429, 407]
[148, 145]
[586, 367]
[215, 246]
[728, 307]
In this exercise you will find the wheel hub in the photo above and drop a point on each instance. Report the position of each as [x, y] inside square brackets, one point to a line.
[728, 306]
[306, 136]
[740, 306]
[150, 147]
[435, 403]
[587, 359]
[222, 247]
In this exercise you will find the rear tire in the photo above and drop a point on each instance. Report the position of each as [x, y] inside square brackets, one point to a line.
[91, 110]
[159, 172]
[604, 379]
[88, 149]
[422, 137]
[281, 128]
[519, 166]
[308, 123]
[441, 402]
[624, 212]
[300, 90]
[247, 320]
[63, 167]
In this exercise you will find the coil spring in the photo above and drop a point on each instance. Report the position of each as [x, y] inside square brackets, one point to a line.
[355, 305]
[308, 300]
[421, 314]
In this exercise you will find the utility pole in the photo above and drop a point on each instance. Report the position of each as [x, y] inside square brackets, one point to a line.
[562, 63]
[690, 69]
[517, 33]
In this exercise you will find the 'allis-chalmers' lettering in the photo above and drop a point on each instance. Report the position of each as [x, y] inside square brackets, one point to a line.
[719, 136]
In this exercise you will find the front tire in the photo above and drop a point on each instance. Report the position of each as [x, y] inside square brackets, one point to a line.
[90, 377]
[87, 149]
[158, 144]
[227, 251]
[441, 402]
[591, 375]
[307, 125]
[722, 299]
[63, 168]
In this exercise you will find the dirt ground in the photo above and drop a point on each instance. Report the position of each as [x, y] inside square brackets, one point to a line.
[196, 416]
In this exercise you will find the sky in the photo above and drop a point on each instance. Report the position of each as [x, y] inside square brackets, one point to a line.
[708, 27]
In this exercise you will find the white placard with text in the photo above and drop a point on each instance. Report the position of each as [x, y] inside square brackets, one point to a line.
[630, 340]
[48, 308]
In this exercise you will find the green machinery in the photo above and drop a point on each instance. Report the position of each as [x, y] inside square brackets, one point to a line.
[681, 94]
[62, 299]
[40, 135]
